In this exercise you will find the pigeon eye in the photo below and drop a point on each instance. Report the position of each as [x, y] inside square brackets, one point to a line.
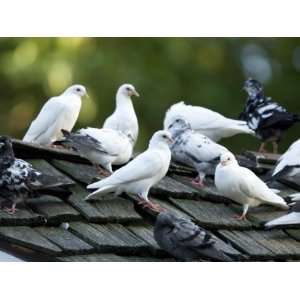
[128, 89]
[164, 136]
[78, 90]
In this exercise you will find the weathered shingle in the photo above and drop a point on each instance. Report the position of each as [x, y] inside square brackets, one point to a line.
[116, 229]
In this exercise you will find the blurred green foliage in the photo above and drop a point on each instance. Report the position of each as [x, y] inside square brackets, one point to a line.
[202, 71]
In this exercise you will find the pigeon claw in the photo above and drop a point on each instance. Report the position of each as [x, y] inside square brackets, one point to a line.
[12, 210]
[198, 182]
[150, 205]
[102, 172]
[262, 148]
[241, 217]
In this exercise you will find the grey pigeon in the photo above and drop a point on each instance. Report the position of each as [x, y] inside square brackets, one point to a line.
[18, 179]
[186, 241]
[194, 149]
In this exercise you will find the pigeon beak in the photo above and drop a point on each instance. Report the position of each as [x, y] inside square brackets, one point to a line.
[135, 93]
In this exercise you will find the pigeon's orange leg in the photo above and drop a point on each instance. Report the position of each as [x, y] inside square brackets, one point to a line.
[262, 148]
[275, 147]
[198, 182]
[243, 216]
[11, 210]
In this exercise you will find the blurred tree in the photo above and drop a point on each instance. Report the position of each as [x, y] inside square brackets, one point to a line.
[202, 71]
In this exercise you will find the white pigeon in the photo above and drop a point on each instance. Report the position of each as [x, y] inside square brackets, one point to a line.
[140, 174]
[58, 113]
[124, 118]
[289, 163]
[116, 147]
[194, 149]
[205, 121]
[104, 147]
[243, 186]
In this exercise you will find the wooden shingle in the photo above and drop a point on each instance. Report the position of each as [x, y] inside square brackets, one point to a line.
[51, 177]
[28, 238]
[23, 217]
[68, 242]
[211, 215]
[54, 209]
[82, 173]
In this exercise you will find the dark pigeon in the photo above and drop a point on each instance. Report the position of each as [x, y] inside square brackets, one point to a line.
[266, 117]
[18, 179]
[186, 241]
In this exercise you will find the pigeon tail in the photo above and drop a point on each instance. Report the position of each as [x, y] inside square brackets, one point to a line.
[238, 126]
[102, 191]
[292, 218]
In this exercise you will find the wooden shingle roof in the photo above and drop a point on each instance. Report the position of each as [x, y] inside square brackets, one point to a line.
[63, 227]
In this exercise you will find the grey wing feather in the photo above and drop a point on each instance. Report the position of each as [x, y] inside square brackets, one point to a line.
[187, 234]
[83, 141]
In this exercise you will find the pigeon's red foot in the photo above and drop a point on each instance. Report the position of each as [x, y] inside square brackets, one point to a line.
[262, 148]
[198, 182]
[12, 210]
[102, 172]
[150, 205]
[241, 217]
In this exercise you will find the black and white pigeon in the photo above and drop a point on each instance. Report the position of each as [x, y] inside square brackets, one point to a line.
[18, 179]
[195, 150]
[266, 117]
[289, 163]
[185, 240]
[290, 219]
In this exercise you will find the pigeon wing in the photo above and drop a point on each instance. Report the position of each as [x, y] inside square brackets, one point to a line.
[186, 233]
[144, 166]
[49, 117]
[255, 188]
[203, 148]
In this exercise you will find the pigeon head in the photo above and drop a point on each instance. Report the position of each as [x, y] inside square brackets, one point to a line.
[6, 151]
[76, 89]
[227, 159]
[253, 87]
[161, 137]
[165, 219]
[178, 127]
[127, 90]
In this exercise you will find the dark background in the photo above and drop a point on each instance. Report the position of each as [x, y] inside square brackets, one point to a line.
[202, 71]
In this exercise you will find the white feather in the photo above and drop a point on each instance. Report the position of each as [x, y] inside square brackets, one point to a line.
[205, 121]
[57, 113]
[243, 186]
[291, 158]
[139, 175]
[115, 143]
[289, 219]
[123, 118]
